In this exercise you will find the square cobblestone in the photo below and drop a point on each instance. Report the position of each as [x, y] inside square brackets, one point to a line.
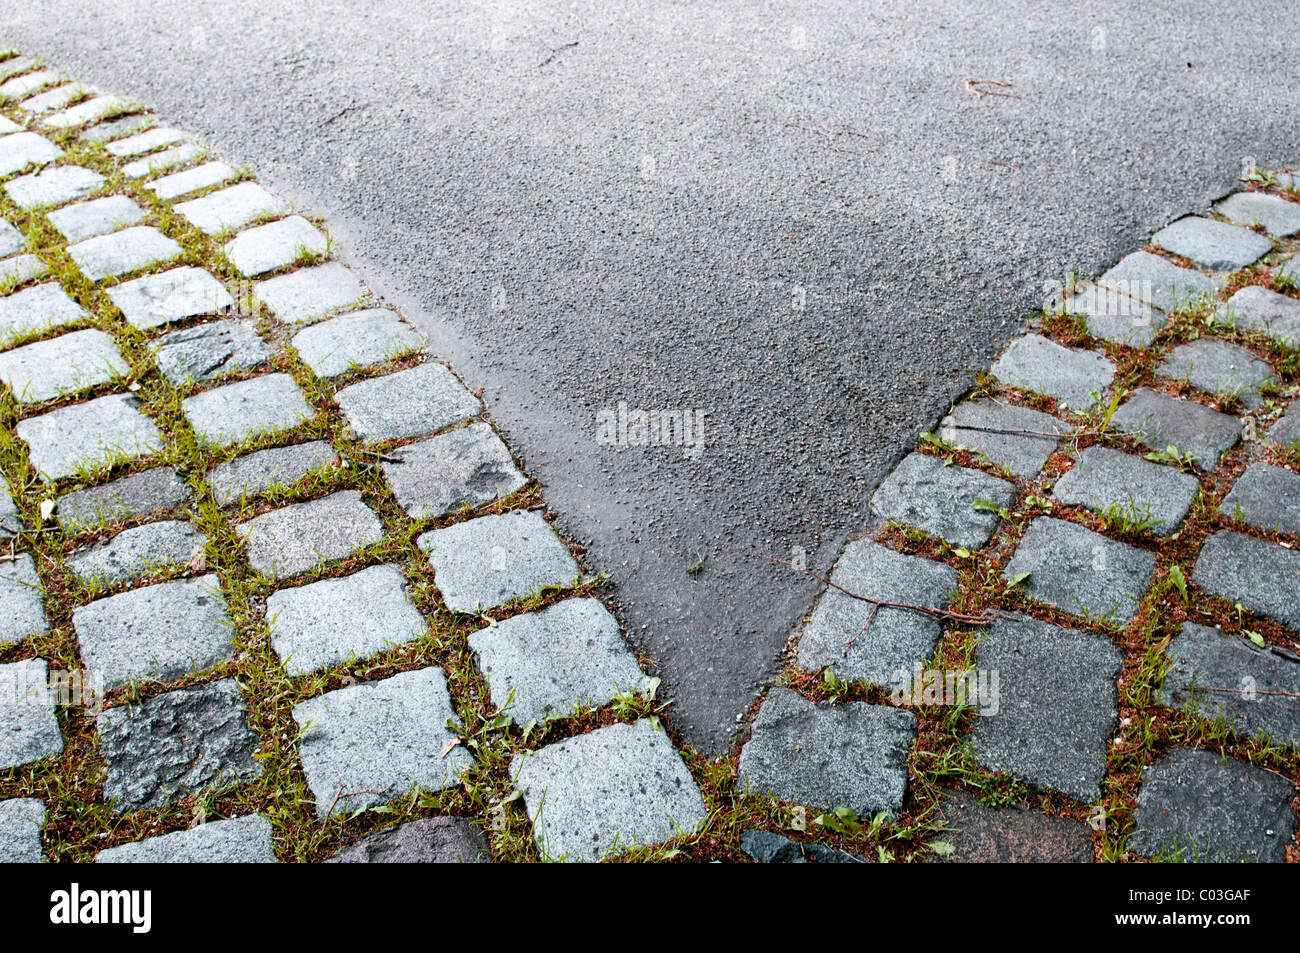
[208, 351]
[20, 86]
[96, 217]
[1001, 835]
[172, 158]
[258, 472]
[1058, 705]
[1287, 430]
[146, 141]
[1109, 480]
[302, 536]
[170, 296]
[409, 403]
[56, 98]
[1219, 368]
[1158, 281]
[21, 269]
[231, 208]
[1266, 497]
[328, 622]
[1255, 308]
[272, 246]
[925, 493]
[21, 820]
[466, 467]
[54, 186]
[1215, 245]
[1278, 216]
[384, 736]
[137, 553]
[1260, 575]
[608, 790]
[159, 488]
[1117, 317]
[21, 149]
[16, 65]
[85, 112]
[310, 293]
[108, 256]
[1160, 421]
[486, 562]
[22, 610]
[1072, 377]
[1013, 437]
[542, 665]
[103, 430]
[29, 729]
[38, 309]
[431, 840]
[175, 744]
[885, 650]
[62, 365]
[163, 632]
[117, 128]
[242, 840]
[191, 180]
[850, 755]
[354, 340]
[237, 412]
[11, 240]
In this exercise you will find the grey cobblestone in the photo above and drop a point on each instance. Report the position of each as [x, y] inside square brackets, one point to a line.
[88, 434]
[208, 351]
[356, 339]
[38, 309]
[22, 610]
[191, 180]
[170, 296]
[56, 98]
[159, 488]
[1109, 480]
[310, 293]
[117, 128]
[31, 729]
[108, 256]
[1116, 317]
[301, 536]
[1287, 430]
[146, 141]
[1278, 216]
[62, 365]
[1158, 281]
[981, 834]
[231, 207]
[1160, 421]
[21, 820]
[1072, 377]
[136, 553]
[406, 404]
[432, 840]
[1254, 308]
[1266, 497]
[257, 472]
[54, 186]
[1219, 368]
[1260, 575]
[11, 240]
[938, 499]
[1215, 245]
[21, 86]
[242, 840]
[21, 149]
[172, 158]
[272, 246]
[466, 467]
[237, 412]
[85, 112]
[990, 429]
[764, 847]
[97, 217]
[11, 523]
[21, 269]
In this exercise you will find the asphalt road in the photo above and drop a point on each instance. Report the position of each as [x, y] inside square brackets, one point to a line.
[589, 204]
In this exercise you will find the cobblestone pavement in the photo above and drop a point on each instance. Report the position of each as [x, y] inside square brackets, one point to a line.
[275, 589]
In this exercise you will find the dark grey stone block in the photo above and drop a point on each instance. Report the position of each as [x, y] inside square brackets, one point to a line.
[1261, 576]
[1016, 438]
[1219, 368]
[1035, 363]
[139, 494]
[924, 492]
[1213, 244]
[434, 840]
[1266, 497]
[1161, 421]
[1108, 480]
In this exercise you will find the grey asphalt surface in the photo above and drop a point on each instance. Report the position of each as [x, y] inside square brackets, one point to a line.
[649, 198]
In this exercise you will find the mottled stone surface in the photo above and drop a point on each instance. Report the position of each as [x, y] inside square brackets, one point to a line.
[433, 840]
[1278, 216]
[301, 536]
[21, 149]
[22, 612]
[146, 141]
[117, 128]
[29, 729]
[258, 472]
[208, 351]
[941, 500]
[36, 309]
[1016, 438]
[267, 247]
[191, 180]
[97, 217]
[231, 208]
[1213, 244]
[1035, 363]
[1117, 317]
[1160, 421]
[1266, 497]
[247, 409]
[1255, 308]
[62, 365]
[107, 256]
[357, 339]
[103, 430]
[1219, 368]
[139, 494]
[170, 296]
[172, 158]
[310, 293]
[137, 553]
[242, 840]
[466, 467]
[1106, 480]
[1260, 575]
[764, 847]
[1287, 430]
[1010, 835]
[1158, 281]
[409, 403]
[21, 820]
[54, 186]
[21, 269]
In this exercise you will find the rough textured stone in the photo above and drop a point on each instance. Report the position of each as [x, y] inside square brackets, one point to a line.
[21, 820]
[1201, 806]
[170, 296]
[21, 86]
[11, 523]
[117, 128]
[488, 561]
[383, 736]
[231, 208]
[923, 492]
[97, 217]
[1255, 308]
[208, 351]
[1288, 271]
[175, 744]
[1016, 835]
[1213, 244]
[29, 729]
[1261, 576]
[21, 149]
[98, 431]
[238, 412]
[1278, 216]
[162, 632]
[1038, 364]
[614, 788]
[241, 840]
[62, 365]
[1256, 691]
[139, 494]
[768, 848]
[1109, 480]
[1161, 421]
[328, 622]
[354, 340]
[56, 98]
[409, 403]
[257, 472]
[21, 269]
[1219, 368]
[54, 186]
[1008, 436]
[191, 180]
[1158, 281]
[1057, 705]
[433, 840]
[302, 536]
[16, 65]
[37, 309]
[1287, 430]
[268, 247]
[11, 240]
[147, 141]
[1266, 497]
[131, 249]
[469, 466]
[310, 293]
[542, 665]
[85, 112]
[136, 553]
[850, 755]
[896, 639]
[1080, 571]
[172, 158]
[22, 612]
[1117, 317]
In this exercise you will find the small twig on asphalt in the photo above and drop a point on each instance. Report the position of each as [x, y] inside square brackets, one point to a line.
[981, 93]
[548, 59]
[338, 115]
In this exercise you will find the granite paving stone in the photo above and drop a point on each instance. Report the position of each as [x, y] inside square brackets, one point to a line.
[164, 631]
[408, 403]
[302, 536]
[1081, 572]
[22, 610]
[1219, 368]
[1035, 363]
[146, 141]
[267, 247]
[1106, 480]
[1215, 245]
[172, 158]
[84, 220]
[99, 431]
[21, 820]
[16, 65]
[1287, 430]
[208, 351]
[237, 412]
[386, 736]
[1017, 835]
[7, 126]
[11, 523]
[1288, 271]
[136, 553]
[1160, 421]
[176, 743]
[38, 309]
[1201, 806]
[85, 112]
[62, 365]
[1255, 308]
[430, 840]
[896, 639]
[356, 339]
[1057, 705]
[21, 86]
[231, 207]
[608, 790]
[1016, 438]
[1259, 575]
[310, 293]
[541, 665]
[11, 239]
[1117, 317]
[328, 622]
[119, 253]
[159, 488]
[1158, 281]
[30, 727]
[54, 186]
[117, 128]
[850, 755]
[486, 562]
[941, 500]
[18, 150]
[764, 847]
[1267, 497]
[466, 467]
[191, 180]
[21, 269]
[1279, 217]
[258, 472]
[55, 98]
[242, 840]
[170, 296]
